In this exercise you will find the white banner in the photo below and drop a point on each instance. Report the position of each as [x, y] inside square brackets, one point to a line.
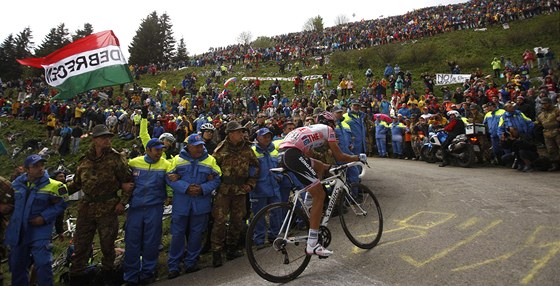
[306, 77]
[447, 78]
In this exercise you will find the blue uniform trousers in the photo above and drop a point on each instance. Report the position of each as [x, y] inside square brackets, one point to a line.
[21, 256]
[275, 219]
[142, 239]
[196, 225]
[381, 146]
[397, 148]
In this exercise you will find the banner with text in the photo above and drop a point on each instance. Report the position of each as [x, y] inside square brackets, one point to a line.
[447, 78]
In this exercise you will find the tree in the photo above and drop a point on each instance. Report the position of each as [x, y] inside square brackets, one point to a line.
[57, 38]
[88, 30]
[153, 42]
[314, 24]
[341, 20]
[263, 42]
[168, 44]
[244, 38]
[8, 65]
[182, 53]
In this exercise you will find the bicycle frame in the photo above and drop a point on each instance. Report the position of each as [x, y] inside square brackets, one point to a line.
[340, 186]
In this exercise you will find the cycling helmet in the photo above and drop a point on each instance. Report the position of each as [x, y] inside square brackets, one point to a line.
[207, 126]
[167, 136]
[453, 112]
[325, 117]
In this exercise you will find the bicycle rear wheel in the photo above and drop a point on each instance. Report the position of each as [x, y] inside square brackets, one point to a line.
[360, 216]
[274, 258]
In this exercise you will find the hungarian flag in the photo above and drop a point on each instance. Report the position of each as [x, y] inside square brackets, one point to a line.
[90, 62]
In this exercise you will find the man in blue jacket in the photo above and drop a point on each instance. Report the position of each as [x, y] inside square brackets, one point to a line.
[38, 200]
[144, 219]
[192, 203]
[267, 189]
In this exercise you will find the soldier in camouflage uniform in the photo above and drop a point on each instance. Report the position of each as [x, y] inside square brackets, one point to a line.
[240, 169]
[100, 173]
[6, 207]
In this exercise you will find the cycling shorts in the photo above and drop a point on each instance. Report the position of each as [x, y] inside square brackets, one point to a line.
[293, 160]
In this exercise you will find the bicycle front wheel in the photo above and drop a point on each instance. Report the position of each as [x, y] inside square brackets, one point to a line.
[275, 257]
[360, 216]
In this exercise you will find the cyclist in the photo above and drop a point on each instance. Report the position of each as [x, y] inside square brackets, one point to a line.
[294, 152]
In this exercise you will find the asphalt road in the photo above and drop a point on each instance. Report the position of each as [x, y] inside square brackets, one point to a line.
[443, 226]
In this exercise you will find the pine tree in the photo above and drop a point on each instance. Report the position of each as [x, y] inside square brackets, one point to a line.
[145, 47]
[8, 64]
[57, 38]
[88, 30]
[182, 53]
[168, 44]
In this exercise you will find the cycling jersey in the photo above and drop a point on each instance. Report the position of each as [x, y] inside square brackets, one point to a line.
[309, 137]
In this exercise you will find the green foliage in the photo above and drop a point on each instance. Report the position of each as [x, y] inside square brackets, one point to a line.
[153, 41]
[263, 42]
[57, 38]
[88, 30]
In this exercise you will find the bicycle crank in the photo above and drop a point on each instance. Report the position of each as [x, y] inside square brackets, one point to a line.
[324, 236]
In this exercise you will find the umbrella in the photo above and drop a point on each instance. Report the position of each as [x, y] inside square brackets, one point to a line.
[383, 117]
[229, 81]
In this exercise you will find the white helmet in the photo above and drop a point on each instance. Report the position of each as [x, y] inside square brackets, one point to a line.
[453, 112]
[167, 136]
[207, 126]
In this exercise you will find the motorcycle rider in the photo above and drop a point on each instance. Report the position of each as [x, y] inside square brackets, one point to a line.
[455, 127]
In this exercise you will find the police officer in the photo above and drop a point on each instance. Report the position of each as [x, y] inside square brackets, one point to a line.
[192, 203]
[38, 200]
[100, 173]
[237, 161]
[144, 219]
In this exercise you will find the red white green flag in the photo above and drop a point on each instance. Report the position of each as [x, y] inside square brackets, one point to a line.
[87, 63]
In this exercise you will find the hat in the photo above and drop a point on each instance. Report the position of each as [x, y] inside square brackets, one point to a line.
[337, 109]
[521, 97]
[233, 126]
[32, 160]
[355, 102]
[194, 140]
[263, 131]
[546, 100]
[473, 106]
[155, 143]
[100, 130]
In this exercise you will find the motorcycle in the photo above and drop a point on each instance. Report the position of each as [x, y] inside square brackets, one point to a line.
[460, 150]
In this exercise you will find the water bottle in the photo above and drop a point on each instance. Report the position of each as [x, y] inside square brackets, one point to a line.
[308, 201]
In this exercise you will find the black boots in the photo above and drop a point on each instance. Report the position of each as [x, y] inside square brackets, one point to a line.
[233, 253]
[217, 259]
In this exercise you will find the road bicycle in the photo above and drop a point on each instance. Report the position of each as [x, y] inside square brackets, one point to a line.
[277, 235]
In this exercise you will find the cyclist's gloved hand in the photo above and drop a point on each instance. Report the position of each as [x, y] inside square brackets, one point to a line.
[363, 158]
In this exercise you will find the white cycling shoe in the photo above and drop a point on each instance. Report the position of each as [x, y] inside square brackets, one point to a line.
[318, 250]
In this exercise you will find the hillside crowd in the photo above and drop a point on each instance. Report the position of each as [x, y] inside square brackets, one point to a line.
[209, 148]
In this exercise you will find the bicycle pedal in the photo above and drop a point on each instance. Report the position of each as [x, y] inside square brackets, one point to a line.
[323, 257]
